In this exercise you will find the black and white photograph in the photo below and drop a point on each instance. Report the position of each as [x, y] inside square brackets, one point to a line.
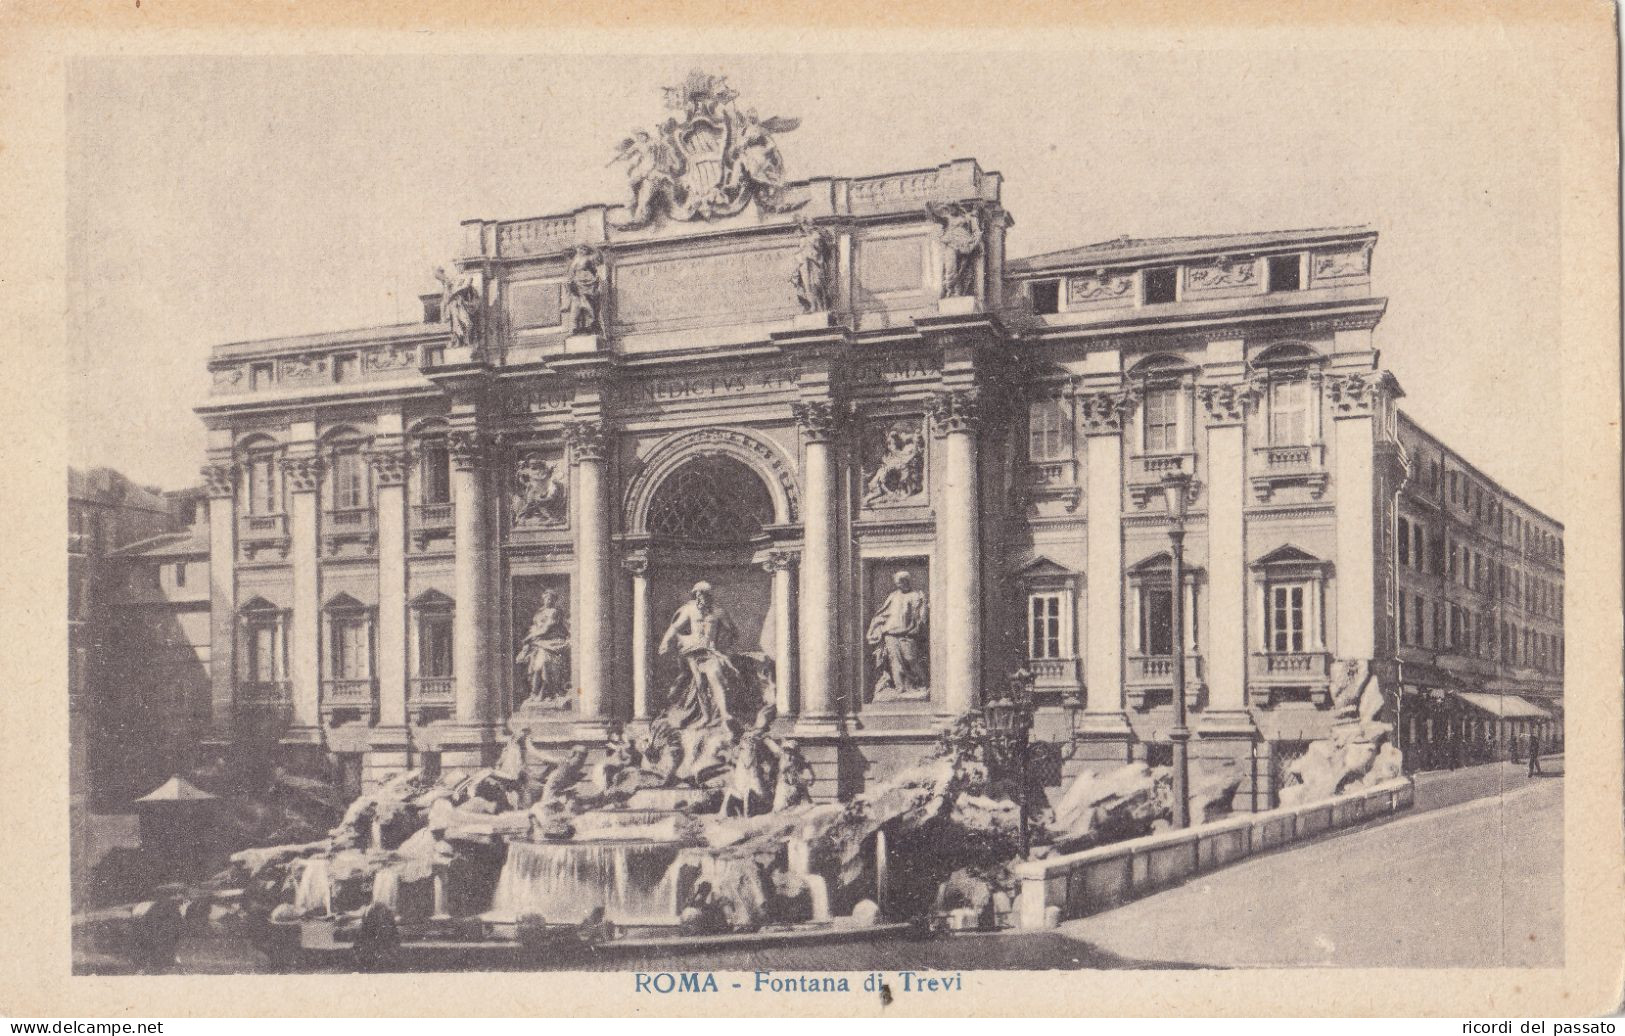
[826, 521]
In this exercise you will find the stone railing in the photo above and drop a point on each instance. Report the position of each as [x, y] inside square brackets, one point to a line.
[263, 694]
[252, 527]
[1276, 466]
[1054, 673]
[349, 694]
[539, 236]
[350, 520]
[431, 690]
[430, 520]
[1290, 665]
[1061, 888]
[1147, 471]
[1149, 680]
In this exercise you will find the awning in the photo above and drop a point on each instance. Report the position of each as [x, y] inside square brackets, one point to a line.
[1505, 706]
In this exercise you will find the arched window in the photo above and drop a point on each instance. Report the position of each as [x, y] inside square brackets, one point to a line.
[262, 482]
[713, 500]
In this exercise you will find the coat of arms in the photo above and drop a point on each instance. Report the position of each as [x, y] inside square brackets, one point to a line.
[706, 162]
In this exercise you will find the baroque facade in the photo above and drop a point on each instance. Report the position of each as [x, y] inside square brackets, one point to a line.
[818, 446]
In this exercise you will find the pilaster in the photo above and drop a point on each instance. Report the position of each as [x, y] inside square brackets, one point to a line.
[781, 566]
[302, 474]
[1225, 406]
[1103, 412]
[956, 419]
[220, 480]
[473, 619]
[638, 567]
[390, 462]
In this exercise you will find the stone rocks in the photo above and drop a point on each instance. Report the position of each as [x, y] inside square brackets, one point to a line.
[866, 914]
[1356, 755]
[1112, 806]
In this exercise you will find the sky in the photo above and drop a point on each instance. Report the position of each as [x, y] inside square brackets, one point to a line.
[221, 199]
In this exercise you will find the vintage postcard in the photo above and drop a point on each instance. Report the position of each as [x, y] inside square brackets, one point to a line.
[824, 519]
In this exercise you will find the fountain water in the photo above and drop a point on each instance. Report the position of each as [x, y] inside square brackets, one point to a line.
[386, 888]
[313, 892]
[566, 881]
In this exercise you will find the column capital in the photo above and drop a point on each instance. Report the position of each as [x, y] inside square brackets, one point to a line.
[818, 419]
[954, 411]
[1104, 411]
[1362, 393]
[636, 564]
[589, 440]
[303, 474]
[220, 480]
[780, 561]
[467, 448]
[389, 466]
[1228, 402]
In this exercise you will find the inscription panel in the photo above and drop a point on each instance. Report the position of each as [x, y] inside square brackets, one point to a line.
[534, 304]
[694, 291]
[891, 264]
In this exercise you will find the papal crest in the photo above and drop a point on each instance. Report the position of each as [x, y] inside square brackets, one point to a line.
[708, 161]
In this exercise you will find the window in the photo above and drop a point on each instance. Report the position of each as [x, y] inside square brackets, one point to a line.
[1044, 626]
[180, 574]
[262, 653]
[1161, 284]
[1286, 617]
[1417, 550]
[434, 472]
[1404, 629]
[1161, 420]
[260, 376]
[1404, 542]
[262, 487]
[1156, 621]
[1289, 412]
[1049, 430]
[350, 653]
[434, 643]
[345, 369]
[1417, 629]
[349, 481]
[1046, 296]
[1285, 272]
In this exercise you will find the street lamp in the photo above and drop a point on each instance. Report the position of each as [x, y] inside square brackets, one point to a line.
[1175, 487]
[1009, 722]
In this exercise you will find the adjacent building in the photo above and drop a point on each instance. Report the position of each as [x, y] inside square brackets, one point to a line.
[822, 445]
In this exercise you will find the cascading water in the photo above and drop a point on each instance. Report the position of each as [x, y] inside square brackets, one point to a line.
[386, 888]
[313, 893]
[565, 881]
[736, 883]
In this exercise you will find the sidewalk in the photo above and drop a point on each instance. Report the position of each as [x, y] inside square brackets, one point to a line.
[1436, 789]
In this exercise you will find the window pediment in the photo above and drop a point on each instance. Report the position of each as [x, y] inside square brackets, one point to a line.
[344, 603]
[433, 600]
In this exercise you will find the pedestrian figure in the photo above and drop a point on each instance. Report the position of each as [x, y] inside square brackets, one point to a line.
[1534, 753]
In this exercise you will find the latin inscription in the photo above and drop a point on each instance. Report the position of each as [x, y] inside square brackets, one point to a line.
[723, 286]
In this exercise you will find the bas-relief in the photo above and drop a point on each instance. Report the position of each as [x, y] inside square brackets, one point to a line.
[893, 462]
[1101, 288]
[539, 496]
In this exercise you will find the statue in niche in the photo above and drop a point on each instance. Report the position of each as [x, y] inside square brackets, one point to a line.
[702, 632]
[583, 292]
[540, 497]
[810, 275]
[898, 638]
[960, 233]
[545, 654]
[900, 473]
[459, 306]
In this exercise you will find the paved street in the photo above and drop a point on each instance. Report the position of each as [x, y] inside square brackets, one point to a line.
[1471, 878]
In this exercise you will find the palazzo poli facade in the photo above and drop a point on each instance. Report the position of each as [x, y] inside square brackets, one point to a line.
[897, 466]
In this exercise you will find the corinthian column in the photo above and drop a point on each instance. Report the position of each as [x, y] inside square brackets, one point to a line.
[955, 418]
[639, 568]
[1226, 405]
[472, 620]
[781, 565]
[221, 480]
[389, 466]
[303, 476]
[592, 624]
[1102, 416]
[818, 420]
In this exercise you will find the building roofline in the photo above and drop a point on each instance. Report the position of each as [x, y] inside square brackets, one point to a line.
[1499, 486]
[1127, 251]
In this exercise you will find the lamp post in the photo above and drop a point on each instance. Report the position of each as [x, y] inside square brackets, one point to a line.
[1009, 722]
[1174, 488]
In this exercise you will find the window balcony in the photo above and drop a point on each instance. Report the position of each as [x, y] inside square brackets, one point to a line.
[1150, 674]
[431, 691]
[1148, 470]
[1277, 466]
[264, 694]
[350, 525]
[431, 520]
[1055, 479]
[262, 528]
[1273, 669]
[1055, 674]
[349, 694]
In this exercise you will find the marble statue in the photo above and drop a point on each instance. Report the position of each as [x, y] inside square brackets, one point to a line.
[960, 233]
[583, 291]
[545, 654]
[900, 472]
[511, 763]
[795, 781]
[751, 777]
[702, 632]
[563, 778]
[898, 636]
[708, 160]
[810, 275]
[459, 307]
[540, 497]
